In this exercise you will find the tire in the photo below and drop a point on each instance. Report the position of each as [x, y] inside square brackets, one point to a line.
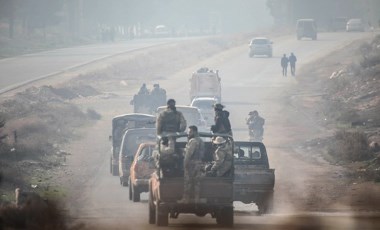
[130, 189]
[135, 193]
[161, 216]
[266, 204]
[225, 217]
[270, 55]
[251, 55]
[123, 182]
[152, 209]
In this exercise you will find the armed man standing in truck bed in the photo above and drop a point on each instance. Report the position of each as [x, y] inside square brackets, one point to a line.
[170, 120]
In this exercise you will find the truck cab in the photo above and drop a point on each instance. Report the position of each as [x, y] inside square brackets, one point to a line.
[254, 179]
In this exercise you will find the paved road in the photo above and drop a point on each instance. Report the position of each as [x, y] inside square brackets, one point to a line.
[27, 68]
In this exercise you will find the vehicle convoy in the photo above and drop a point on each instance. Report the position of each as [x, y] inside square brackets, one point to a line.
[131, 141]
[166, 188]
[205, 83]
[254, 179]
[192, 116]
[141, 169]
[120, 124]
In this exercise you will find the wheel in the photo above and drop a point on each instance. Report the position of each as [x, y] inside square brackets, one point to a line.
[266, 204]
[123, 182]
[130, 190]
[152, 209]
[161, 216]
[135, 193]
[270, 55]
[225, 217]
[251, 55]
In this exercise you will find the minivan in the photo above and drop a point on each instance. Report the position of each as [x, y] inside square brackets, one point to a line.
[306, 28]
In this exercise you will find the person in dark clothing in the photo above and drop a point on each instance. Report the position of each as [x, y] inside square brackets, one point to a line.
[284, 65]
[222, 122]
[292, 61]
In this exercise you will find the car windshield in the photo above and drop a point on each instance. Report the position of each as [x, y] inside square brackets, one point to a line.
[259, 41]
[204, 104]
[131, 142]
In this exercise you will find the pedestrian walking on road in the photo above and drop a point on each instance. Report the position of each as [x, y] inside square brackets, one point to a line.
[292, 61]
[284, 65]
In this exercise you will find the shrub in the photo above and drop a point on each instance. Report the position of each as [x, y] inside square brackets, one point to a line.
[349, 146]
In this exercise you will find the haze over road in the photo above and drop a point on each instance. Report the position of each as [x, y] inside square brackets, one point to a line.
[247, 84]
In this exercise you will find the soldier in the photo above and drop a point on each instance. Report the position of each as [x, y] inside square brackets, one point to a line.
[170, 120]
[143, 90]
[192, 166]
[158, 96]
[222, 158]
[222, 122]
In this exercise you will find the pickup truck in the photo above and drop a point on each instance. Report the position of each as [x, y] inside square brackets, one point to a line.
[254, 179]
[216, 195]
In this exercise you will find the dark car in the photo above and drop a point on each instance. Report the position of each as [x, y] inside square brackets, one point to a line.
[306, 28]
[120, 124]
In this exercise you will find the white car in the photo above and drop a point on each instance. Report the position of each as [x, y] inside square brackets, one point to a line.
[192, 116]
[205, 105]
[260, 46]
[355, 24]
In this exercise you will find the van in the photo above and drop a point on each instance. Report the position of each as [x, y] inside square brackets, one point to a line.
[306, 28]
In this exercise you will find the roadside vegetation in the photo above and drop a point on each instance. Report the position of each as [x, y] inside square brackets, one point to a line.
[350, 105]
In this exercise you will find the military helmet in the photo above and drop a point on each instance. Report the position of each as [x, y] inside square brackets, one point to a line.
[218, 106]
[171, 102]
[156, 85]
[219, 140]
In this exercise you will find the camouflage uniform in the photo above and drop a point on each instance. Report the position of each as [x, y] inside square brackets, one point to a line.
[222, 159]
[193, 166]
[170, 121]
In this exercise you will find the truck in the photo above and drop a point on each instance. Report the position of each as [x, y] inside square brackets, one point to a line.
[254, 179]
[205, 83]
[120, 124]
[216, 193]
